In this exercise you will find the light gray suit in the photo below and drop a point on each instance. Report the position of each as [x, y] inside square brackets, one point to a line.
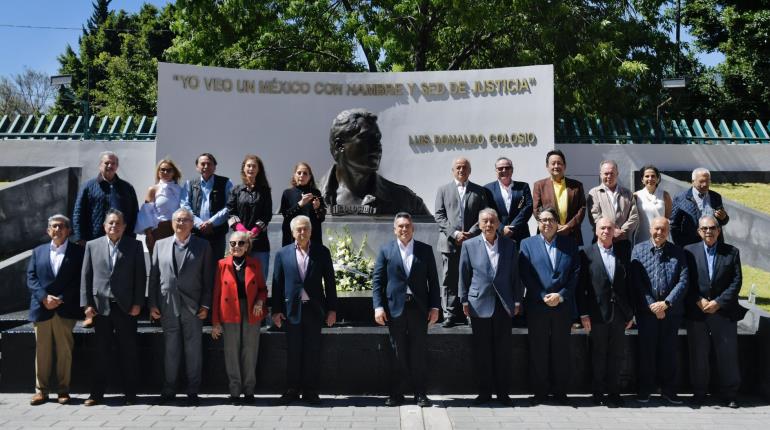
[626, 217]
[179, 290]
[452, 216]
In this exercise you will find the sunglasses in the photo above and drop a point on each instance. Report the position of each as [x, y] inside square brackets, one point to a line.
[708, 228]
[233, 244]
[504, 168]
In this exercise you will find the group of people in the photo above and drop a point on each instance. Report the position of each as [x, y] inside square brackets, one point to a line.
[493, 269]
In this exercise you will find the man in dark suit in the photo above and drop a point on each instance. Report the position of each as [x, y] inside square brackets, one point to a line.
[659, 283]
[180, 288]
[604, 308]
[53, 280]
[491, 295]
[549, 265]
[405, 294]
[512, 200]
[112, 291]
[561, 193]
[457, 213]
[712, 312]
[691, 204]
[304, 295]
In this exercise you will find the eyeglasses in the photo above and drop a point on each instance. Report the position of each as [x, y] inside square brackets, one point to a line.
[504, 168]
[547, 220]
[182, 220]
[233, 243]
[165, 170]
[708, 228]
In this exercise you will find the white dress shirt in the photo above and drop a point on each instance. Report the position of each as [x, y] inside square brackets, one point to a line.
[407, 256]
[493, 253]
[608, 258]
[57, 256]
[507, 194]
[302, 260]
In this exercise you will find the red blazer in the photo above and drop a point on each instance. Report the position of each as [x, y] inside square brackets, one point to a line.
[226, 307]
[543, 195]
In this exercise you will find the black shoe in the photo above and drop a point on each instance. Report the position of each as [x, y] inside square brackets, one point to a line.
[615, 401]
[598, 399]
[422, 400]
[394, 400]
[672, 398]
[504, 399]
[448, 323]
[537, 400]
[248, 399]
[287, 398]
[193, 400]
[234, 400]
[311, 398]
[129, 400]
[698, 400]
[732, 404]
[166, 399]
[561, 399]
[482, 399]
[643, 398]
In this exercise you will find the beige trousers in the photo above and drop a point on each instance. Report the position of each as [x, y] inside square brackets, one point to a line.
[54, 333]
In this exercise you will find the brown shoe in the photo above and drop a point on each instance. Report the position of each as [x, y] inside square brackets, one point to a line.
[91, 402]
[38, 399]
[64, 398]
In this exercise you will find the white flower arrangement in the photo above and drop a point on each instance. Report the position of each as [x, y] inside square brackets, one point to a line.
[353, 269]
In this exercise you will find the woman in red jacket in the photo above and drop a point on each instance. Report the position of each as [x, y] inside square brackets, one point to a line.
[238, 307]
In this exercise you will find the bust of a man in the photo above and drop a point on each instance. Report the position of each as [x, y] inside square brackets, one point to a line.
[352, 186]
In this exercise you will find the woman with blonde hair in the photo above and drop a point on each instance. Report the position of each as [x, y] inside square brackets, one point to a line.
[163, 198]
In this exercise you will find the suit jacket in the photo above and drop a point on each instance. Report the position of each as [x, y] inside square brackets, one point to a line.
[319, 282]
[685, 215]
[626, 218]
[598, 297]
[723, 287]
[390, 280]
[291, 209]
[478, 283]
[190, 285]
[520, 210]
[447, 213]
[543, 195]
[540, 278]
[226, 305]
[673, 265]
[65, 285]
[126, 280]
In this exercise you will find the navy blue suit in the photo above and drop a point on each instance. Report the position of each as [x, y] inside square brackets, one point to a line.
[520, 210]
[685, 215]
[549, 327]
[66, 284]
[407, 311]
[491, 294]
[304, 319]
[658, 275]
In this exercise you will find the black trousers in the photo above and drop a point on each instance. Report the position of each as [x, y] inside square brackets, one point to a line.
[121, 327]
[719, 331]
[608, 341]
[658, 352]
[304, 351]
[408, 336]
[492, 351]
[217, 241]
[549, 349]
[449, 296]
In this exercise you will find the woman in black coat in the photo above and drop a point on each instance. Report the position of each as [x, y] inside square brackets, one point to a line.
[250, 206]
[303, 198]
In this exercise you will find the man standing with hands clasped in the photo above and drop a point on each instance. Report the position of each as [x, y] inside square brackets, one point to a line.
[406, 296]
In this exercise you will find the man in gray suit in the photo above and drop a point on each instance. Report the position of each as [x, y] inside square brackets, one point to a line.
[112, 291]
[457, 214]
[491, 295]
[181, 282]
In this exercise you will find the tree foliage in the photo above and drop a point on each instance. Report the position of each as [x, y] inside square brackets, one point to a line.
[27, 93]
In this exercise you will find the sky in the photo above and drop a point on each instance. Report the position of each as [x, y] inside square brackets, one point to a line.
[38, 48]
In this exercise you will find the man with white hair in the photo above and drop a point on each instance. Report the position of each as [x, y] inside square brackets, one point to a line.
[100, 194]
[693, 203]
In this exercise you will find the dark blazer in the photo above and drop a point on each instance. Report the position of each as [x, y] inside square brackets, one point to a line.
[447, 213]
[390, 280]
[226, 306]
[319, 282]
[65, 285]
[685, 215]
[290, 209]
[127, 279]
[674, 267]
[521, 208]
[539, 278]
[252, 206]
[543, 195]
[723, 288]
[596, 297]
[479, 284]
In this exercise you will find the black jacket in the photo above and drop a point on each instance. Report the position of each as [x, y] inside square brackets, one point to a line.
[250, 206]
[723, 288]
[601, 300]
[290, 209]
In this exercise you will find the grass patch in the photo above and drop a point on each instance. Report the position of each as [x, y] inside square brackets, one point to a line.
[752, 195]
[760, 278]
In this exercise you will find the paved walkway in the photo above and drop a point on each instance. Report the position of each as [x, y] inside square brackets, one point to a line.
[367, 413]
